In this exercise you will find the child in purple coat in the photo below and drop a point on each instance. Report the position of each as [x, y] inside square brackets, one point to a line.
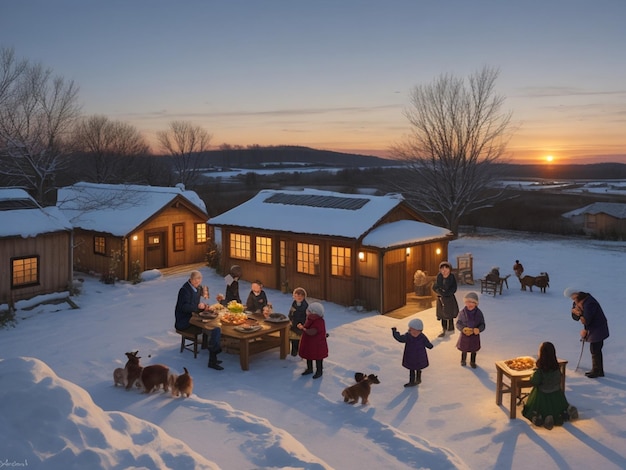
[415, 357]
[470, 322]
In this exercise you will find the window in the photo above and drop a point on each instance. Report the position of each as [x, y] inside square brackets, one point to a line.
[264, 250]
[25, 271]
[99, 245]
[179, 237]
[201, 234]
[340, 261]
[239, 246]
[308, 258]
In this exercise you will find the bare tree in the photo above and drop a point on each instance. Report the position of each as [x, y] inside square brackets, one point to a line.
[458, 132]
[187, 145]
[36, 114]
[108, 149]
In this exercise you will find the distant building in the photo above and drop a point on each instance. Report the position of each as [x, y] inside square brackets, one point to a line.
[122, 229]
[600, 218]
[344, 248]
[35, 248]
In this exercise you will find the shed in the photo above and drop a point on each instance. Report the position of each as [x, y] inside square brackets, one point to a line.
[600, 218]
[35, 248]
[351, 249]
[123, 230]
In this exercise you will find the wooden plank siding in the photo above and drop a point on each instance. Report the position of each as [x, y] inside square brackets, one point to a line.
[55, 265]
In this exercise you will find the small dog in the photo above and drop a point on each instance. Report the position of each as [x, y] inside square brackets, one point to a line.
[133, 369]
[154, 376]
[181, 384]
[542, 281]
[120, 376]
[360, 390]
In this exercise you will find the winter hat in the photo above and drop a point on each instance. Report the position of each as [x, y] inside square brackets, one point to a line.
[571, 291]
[316, 308]
[416, 324]
[473, 296]
[445, 263]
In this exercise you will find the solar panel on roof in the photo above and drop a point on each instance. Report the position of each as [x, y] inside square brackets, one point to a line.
[15, 204]
[313, 200]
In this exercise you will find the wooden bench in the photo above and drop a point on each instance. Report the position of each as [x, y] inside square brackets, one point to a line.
[189, 341]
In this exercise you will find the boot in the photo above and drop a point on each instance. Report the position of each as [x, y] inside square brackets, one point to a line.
[205, 341]
[309, 367]
[418, 378]
[411, 382]
[464, 359]
[597, 368]
[318, 369]
[451, 325]
[213, 362]
[473, 360]
[295, 345]
[444, 326]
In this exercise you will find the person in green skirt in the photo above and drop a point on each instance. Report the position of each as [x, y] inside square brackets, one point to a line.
[546, 405]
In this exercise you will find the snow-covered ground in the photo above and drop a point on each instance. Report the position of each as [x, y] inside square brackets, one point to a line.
[60, 410]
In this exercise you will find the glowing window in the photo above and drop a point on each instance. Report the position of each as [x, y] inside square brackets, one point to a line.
[308, 258]
[263, 250]
[340, 261]
[239, 246]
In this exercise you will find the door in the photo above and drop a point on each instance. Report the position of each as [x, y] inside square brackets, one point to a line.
[155, 250]
[394, 290]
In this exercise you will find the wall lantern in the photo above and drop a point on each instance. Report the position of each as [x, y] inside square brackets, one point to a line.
[438, 251]
[408, 251]
[135, 238]
[361, 256]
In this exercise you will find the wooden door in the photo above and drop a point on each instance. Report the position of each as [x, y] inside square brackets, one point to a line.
[155, 250]
[394, 290]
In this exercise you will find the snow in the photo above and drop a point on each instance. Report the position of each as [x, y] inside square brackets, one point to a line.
[59, 408]
[27, 223]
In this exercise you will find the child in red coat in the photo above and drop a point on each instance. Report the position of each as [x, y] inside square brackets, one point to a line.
[313, 345]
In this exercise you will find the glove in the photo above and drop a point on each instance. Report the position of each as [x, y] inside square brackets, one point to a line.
[394, 329]
[467, 331]
[476, 331]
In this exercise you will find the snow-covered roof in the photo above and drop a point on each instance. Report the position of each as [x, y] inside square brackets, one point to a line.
[404, 233]
[312, 211]
[115, 208]
[614, 209]
[20, 215]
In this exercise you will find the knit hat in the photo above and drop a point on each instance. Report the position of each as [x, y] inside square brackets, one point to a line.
[571, 291]
[445, 263]
[473, 296]
[416, 324]
[316, 308]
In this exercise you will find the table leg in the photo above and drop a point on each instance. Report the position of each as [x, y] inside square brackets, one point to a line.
[514, 389]
[499, 387]
[284, 343]
[244, 354]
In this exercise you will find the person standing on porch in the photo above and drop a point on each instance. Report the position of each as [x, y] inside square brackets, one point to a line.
[447, 306]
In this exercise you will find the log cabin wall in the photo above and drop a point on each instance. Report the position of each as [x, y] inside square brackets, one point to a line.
[55, 270]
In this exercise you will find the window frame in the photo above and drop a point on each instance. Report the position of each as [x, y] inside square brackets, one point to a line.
[308, 260]
[239, 246]
[339, 253]
[178, 239]
[204, 229]
[96, 251]
[264, 255]
[30, 282]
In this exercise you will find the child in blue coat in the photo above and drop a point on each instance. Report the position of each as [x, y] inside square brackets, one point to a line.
[415, 357]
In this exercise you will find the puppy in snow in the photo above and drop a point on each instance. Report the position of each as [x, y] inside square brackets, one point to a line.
[182, 384]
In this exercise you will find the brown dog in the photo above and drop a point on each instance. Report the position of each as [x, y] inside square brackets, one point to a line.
[120, 376]
[181, 384]
[133, 369]
[360, 390]
[542, 281]
[154, 376]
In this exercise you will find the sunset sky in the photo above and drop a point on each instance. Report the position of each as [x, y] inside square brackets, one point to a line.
[336, 74]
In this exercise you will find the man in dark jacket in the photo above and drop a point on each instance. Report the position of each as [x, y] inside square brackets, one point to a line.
[587, 310]
[189, 302]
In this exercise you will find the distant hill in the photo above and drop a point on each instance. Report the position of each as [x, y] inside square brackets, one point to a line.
[256, 157]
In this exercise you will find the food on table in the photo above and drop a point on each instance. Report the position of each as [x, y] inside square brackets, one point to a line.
[235, 307]
[520, 363]
[234, 318]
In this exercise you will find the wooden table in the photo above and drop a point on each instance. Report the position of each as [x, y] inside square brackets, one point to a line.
[518, 379]
[271, 335]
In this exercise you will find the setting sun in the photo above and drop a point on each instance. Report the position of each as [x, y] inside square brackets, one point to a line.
[549, 158]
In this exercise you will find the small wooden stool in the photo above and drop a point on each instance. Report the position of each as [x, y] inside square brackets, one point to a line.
[187, 340]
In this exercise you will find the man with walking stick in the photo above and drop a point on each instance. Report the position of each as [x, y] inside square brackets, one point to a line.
[595, 330]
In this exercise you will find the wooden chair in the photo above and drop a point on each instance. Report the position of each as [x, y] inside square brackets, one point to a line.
[189, 341]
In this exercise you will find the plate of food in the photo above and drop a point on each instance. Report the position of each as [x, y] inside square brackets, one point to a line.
[521, 363]
[247, 328]
[234, 318]
[208, 315]
[276, 318]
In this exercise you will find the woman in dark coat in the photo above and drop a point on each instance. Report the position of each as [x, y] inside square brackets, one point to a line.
[447, 306]
[313, 345]
[297, 314]
[546, 404]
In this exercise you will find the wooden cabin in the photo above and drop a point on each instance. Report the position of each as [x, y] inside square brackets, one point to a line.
[350, 249]
[35, 248]
[605, 219]
[123, 230]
